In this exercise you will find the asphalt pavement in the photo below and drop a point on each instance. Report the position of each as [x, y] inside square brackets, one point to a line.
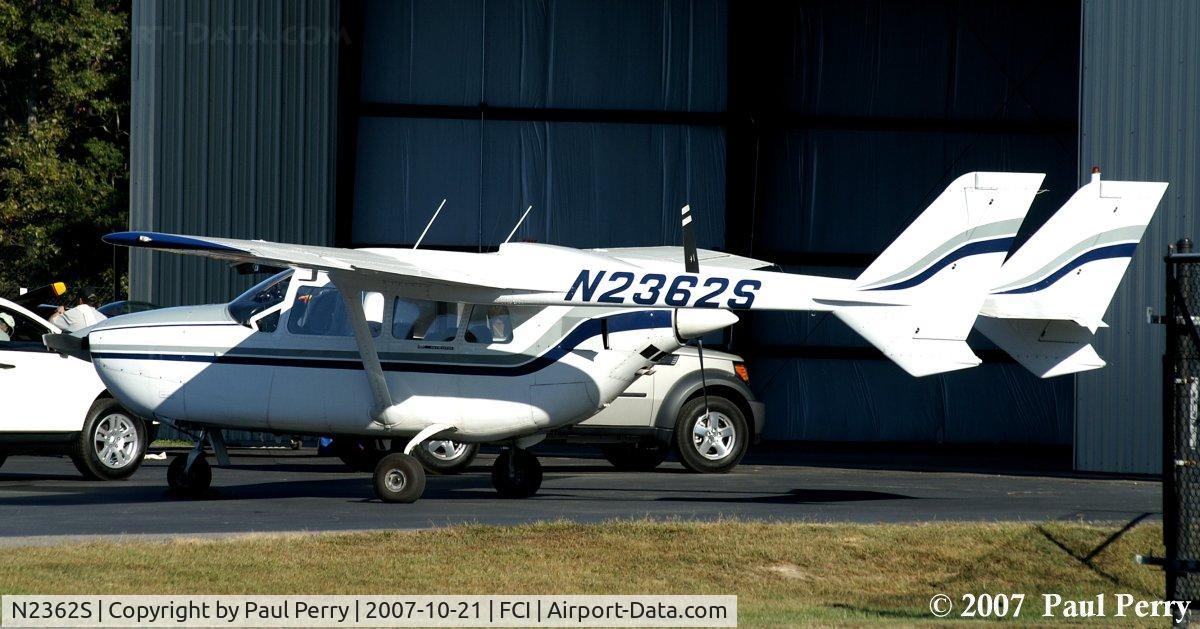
[44, 498]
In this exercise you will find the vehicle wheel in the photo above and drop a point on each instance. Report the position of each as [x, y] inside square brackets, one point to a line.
[442, 456]
[360, 455]
[191, 482]
[516, 474]
[399, 477]
[635, 457]
[715, 448]
[112, 442]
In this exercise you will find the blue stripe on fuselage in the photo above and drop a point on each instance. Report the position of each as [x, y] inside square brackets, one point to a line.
[993, 245]
[641, 320]
[1121, 250]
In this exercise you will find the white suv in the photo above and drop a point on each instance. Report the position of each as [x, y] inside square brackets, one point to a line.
[660, 410]
[54, 404]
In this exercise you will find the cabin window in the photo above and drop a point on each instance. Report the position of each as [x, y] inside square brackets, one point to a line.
[489, 324]
[425, 320]
[263, 295]
[320, 311]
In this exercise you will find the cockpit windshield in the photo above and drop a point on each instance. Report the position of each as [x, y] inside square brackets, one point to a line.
[260, 297]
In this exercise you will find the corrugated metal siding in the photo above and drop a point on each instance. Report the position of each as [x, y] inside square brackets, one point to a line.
[845, 190]
[1140, 119]
[592, 184]
[234, 107]
[617, 54]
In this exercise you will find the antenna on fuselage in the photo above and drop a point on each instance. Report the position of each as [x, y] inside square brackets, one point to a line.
[518, 225]
[430, 223]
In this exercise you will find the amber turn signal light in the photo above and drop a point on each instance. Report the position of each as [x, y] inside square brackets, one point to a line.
[740, 370]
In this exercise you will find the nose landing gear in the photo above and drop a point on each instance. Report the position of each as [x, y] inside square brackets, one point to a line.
[516, 473]
[189, 475]
[189, 480]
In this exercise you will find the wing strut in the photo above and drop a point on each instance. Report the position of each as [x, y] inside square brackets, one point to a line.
[384, 402]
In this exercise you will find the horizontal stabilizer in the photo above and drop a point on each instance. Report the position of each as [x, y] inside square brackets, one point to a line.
[1047, 348]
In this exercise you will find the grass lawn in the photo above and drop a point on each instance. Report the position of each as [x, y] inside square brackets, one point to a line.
[783, 574]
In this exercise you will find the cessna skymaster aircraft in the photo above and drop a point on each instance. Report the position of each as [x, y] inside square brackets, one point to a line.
[503, 347]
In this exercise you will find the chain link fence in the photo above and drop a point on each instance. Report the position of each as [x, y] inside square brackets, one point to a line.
[1181, 424]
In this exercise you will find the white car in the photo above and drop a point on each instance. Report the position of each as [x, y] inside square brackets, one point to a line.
[54, 404]
[662, 410]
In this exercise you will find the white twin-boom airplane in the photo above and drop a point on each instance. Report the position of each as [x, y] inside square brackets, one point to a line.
[412, 344]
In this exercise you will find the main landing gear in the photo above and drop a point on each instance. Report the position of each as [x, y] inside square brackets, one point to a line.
[400, 477]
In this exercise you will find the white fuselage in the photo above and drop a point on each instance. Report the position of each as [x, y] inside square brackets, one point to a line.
[293, 367]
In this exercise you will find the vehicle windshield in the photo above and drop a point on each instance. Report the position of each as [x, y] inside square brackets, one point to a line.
[260, 297]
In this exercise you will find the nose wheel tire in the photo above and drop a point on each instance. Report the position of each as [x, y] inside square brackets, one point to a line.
[399, 477]
[516, 474]
[712, 444]
[189, 482]
[111, 444]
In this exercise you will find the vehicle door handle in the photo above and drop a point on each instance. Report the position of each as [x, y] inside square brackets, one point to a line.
[7, 366]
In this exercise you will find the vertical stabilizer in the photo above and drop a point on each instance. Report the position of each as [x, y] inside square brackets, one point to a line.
[1051, 294]
[1071, 267]
[943, 265]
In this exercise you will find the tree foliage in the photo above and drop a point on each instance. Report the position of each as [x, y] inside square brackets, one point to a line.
[64, 140]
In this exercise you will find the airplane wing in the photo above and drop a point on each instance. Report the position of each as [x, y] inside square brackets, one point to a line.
[327, 259]
[674, 255]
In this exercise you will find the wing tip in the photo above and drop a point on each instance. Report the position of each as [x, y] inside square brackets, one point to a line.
[158, 240]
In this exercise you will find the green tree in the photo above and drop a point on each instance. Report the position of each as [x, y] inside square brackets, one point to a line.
[64, 140]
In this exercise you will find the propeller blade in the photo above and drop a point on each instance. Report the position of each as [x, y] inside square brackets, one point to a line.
[691, 264]
[691, 261]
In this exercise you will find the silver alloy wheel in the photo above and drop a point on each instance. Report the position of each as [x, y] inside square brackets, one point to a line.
[445, 450]
[395, 480]
[714, 436]
[116, 441]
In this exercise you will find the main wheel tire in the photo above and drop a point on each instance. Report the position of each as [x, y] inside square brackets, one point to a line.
[516, 474]
[360, 455]
[714, 451]
[112, 442]
[635, 457]
[399, 477]
[445, 457]
[187, 482]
